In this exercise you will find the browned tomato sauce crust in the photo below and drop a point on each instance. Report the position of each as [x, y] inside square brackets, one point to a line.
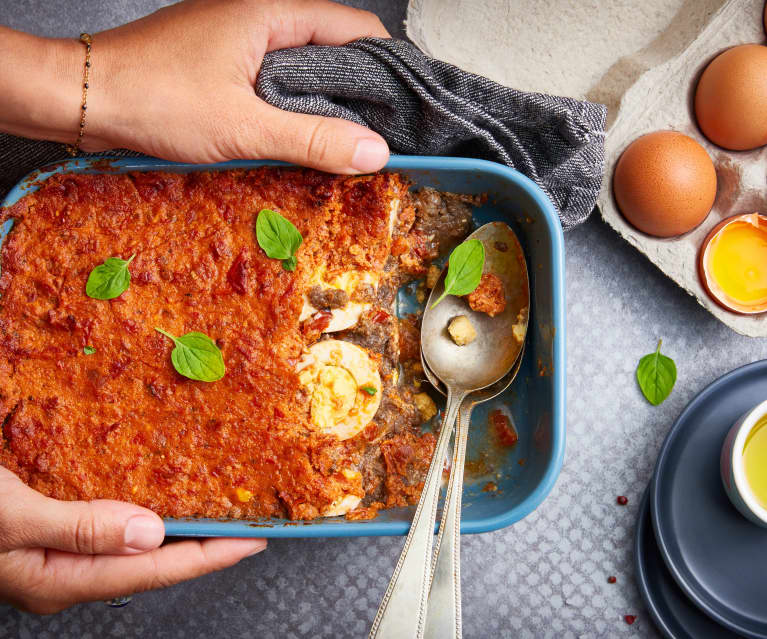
[121, 423]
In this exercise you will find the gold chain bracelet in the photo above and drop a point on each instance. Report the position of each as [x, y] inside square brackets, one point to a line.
[87, 40]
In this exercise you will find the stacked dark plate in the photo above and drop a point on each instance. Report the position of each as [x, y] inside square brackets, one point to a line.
[701, 566]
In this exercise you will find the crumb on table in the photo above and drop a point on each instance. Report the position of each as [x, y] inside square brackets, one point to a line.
[461, 330]
[488, 297]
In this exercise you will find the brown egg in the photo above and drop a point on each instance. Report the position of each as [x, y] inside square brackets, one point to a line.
[731, 98]
[665, 183]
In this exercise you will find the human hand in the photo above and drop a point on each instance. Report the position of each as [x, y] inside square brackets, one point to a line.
[54, 554]
[178, 84]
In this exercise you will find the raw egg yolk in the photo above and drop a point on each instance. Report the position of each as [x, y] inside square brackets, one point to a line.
[738, 262]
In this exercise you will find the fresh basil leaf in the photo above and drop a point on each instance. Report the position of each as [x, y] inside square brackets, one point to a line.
[656, 375]
[278, 237]
[196, 356]
[370, 390]
[290, 264]
[464, 270]
[89, 350]
[110, 279]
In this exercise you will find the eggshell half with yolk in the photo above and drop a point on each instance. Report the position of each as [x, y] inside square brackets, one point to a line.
[732, 263]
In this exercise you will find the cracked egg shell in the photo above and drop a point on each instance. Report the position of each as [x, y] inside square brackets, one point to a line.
[732, 263]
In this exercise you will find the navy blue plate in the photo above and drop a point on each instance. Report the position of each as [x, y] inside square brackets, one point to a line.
[716, 555]
[673, 613]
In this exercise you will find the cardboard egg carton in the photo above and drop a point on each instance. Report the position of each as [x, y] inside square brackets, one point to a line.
[641, 59]
[662, 98]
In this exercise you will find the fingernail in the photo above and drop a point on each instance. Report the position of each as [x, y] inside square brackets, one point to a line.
[144, 533]
[258, 547]
[370, 154]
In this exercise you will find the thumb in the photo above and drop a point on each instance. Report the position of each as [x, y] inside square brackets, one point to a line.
[328, 144]
[31, 520]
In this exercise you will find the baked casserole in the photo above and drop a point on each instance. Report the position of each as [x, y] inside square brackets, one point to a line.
[315, 415]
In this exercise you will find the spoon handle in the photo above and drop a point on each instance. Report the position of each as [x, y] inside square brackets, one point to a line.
[444, 602]
[402, 612]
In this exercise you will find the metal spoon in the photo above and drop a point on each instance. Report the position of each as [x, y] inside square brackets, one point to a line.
[463, 369]
[444, 601]
[445, 593]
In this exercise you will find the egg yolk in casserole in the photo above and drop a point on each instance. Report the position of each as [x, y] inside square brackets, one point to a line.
[333, 397]
[344, 385]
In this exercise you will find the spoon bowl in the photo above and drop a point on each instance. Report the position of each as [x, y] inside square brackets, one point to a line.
[497, 346]
[484, 394]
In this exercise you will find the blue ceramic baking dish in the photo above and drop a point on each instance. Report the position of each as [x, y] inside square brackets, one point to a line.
[502, 486]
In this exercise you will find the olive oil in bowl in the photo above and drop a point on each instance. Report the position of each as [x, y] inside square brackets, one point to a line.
[755, 460]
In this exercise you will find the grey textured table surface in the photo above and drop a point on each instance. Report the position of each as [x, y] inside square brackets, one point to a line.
[546, 576]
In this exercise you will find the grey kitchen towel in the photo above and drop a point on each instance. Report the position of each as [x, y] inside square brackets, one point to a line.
[420, 106]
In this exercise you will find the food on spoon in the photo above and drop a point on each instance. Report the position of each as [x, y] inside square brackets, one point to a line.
[488, 297]
[664, 183]
[733, 263]
[461, 330]
[519, 329]
[731, 98]
[464, 269]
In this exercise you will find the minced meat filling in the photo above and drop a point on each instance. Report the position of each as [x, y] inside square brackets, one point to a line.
[439, 222]
[327, 298]
[489, 296]
[442, 218]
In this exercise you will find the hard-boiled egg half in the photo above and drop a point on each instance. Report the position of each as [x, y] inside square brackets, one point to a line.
[350, 282]
[344, 386]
